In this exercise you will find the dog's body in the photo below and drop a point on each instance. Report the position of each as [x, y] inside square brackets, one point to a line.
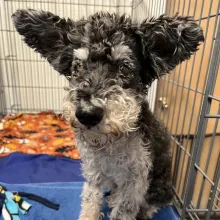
[135, 167]
[110, 62]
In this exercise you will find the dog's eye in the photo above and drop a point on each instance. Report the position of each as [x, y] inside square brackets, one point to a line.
[126, 71]
[77, 66]
[86, 84]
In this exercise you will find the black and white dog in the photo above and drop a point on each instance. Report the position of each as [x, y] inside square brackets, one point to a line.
[110, 63]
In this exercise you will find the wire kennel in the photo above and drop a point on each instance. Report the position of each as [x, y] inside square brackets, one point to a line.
[186, 101]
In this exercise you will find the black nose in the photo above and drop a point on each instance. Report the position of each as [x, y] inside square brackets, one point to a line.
[89, 117]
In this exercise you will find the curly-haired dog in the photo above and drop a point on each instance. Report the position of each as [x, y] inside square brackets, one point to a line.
[110, 62]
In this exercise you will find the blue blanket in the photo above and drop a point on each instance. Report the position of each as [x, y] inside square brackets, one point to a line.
[66, 195]
[26, 168]
[57, 179]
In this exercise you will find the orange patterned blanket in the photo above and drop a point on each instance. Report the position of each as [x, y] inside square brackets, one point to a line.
[43, 133]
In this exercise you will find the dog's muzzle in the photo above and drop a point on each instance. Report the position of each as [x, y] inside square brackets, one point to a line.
[89, 116]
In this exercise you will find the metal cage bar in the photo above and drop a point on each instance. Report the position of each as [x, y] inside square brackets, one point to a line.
[183, 141]
[28, 81]
[199, 72]
[202, 122]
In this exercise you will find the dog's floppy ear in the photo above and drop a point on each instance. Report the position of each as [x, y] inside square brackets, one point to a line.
[53, 37]
[167, 41]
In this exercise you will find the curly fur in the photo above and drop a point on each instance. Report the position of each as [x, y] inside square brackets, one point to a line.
[110, 62]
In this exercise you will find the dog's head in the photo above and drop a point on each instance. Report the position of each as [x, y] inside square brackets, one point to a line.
[109, 61]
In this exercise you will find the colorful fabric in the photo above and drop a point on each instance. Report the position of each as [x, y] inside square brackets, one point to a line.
[13, 206]
[43, 133]
[67, 195]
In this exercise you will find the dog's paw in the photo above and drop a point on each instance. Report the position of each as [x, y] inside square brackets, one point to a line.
[85, 218]
[91, 217]
[122, 216]
[148, 213]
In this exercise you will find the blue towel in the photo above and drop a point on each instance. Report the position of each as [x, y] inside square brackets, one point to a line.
[41, 174]
[67, 195]
[41, 168]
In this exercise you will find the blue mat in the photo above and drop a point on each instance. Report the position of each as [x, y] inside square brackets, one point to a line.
[26, 168]
[55, 178]
[68, 196]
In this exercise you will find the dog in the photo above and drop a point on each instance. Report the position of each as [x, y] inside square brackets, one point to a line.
[110, 62]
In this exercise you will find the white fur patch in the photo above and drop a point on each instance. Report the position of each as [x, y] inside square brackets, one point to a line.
[120, 52]
[81, 53]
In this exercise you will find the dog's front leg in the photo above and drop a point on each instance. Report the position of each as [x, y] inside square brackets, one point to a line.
[91, 202]
[126, 201]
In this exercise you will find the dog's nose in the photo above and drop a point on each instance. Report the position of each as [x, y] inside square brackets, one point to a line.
[89, 117]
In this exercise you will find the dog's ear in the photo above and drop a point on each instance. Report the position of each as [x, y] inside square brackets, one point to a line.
[166, 42]
[53, 37]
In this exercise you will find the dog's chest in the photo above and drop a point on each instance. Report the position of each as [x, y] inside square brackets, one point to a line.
[122, 159]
